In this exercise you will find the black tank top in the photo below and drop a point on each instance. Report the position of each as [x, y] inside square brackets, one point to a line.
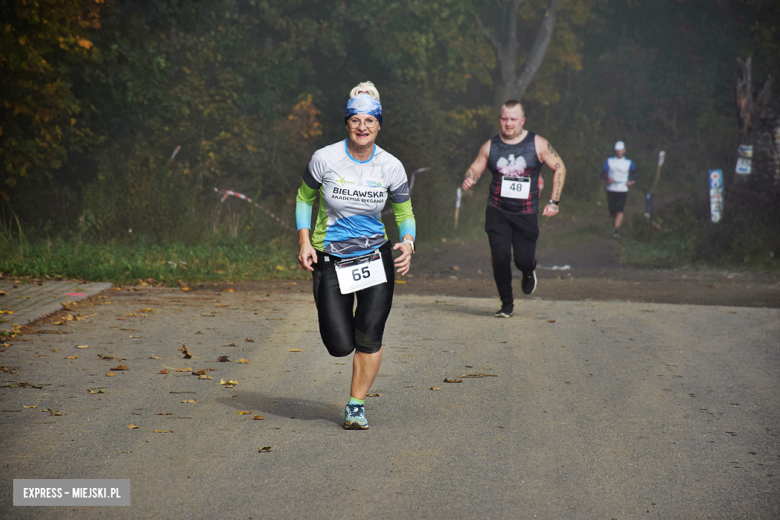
[514, 160]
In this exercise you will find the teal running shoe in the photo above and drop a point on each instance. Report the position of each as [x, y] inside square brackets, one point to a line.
[355, 417]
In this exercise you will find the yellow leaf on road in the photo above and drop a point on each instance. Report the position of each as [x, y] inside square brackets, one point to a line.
[294, 350]
[243, 413]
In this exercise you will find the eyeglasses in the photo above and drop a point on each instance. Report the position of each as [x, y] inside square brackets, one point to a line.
[370, 122]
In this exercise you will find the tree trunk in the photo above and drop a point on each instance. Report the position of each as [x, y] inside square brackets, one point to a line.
[508, 82]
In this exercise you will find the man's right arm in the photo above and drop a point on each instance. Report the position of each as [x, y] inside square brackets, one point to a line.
[478, 167]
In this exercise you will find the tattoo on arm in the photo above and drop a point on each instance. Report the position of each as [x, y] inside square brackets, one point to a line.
[552, 150]
[471, 175]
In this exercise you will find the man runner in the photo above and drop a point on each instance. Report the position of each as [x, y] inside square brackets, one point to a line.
[620, 172]
[515, 158]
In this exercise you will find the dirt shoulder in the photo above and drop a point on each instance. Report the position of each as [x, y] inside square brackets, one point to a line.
[571, 269]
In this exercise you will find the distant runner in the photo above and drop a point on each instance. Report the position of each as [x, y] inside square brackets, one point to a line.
[349, 254]
[620, 172]
[515, 158]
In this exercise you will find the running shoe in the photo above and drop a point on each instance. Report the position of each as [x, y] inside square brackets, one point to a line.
[615, 233]
[355, 417]
[505, 311]
[529, 283]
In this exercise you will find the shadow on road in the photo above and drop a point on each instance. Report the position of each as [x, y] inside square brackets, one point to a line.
[292, 408]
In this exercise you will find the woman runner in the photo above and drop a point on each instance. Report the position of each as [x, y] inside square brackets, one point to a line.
[349, 254]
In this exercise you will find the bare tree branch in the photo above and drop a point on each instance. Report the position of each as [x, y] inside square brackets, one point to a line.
[539, 48]
[494, 44]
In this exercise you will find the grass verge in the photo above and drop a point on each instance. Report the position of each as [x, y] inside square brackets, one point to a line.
[169, 264]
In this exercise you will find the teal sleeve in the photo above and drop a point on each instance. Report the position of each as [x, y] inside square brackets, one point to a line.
[404, 218]
[304, 202]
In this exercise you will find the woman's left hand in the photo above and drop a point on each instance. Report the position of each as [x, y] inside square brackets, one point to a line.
[403, 262]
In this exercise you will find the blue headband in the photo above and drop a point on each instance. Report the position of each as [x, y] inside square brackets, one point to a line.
[363, 104]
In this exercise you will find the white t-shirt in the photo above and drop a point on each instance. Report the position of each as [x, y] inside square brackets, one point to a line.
[354, 193]
[619, 170]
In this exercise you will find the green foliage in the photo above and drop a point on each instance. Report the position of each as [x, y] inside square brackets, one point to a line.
[98, 99]
[41, 116]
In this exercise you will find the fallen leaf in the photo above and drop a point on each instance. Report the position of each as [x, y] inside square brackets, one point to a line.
[71, 357]
[400, 282]
[264, 449]
[95, 391]
[186, 352]
[185, 288]
[223, 382]
[163, 371]
[190, 401]
[110, 374]
[550, 321]
[249, 340]
[120, 367]
[340, 363]
[133, 336]
[223, 359]
[201, 372]
[258, 418]
[163, 431]
[448, 380]
[294, 350]
[82, 346]
[103, 356]
[188, 369]
[204, 376]
[594, 320]
[374, 395]
[53, 413]
[479, 375]
[132, 426]
[147, 309]
[164, 413]
[435, 388]
[208, 315]
[154, 357]
[243, 413]
[227, 290]
[244, 361]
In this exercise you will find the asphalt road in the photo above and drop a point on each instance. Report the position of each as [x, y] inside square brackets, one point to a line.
[583, 410]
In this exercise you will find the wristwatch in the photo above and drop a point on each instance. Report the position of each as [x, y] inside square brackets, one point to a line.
[410, 242]
[554, 202]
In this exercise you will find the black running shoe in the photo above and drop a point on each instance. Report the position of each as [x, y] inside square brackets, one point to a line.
[529, 283]
[505, 311]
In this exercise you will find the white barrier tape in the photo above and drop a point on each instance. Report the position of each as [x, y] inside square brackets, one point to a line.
[227, 193]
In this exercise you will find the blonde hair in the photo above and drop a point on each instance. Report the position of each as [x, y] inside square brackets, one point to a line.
[365, 87]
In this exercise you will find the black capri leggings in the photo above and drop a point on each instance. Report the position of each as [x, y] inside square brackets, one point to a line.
[341, 331]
